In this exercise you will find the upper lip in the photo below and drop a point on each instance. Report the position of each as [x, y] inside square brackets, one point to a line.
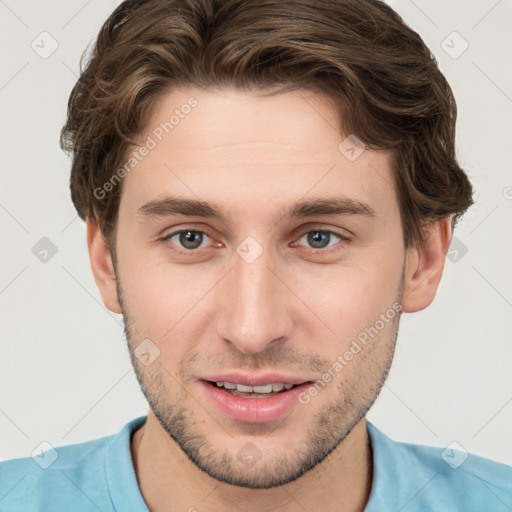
[255, 380]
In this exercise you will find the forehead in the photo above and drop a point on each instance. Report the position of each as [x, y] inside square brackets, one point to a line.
[239, 150]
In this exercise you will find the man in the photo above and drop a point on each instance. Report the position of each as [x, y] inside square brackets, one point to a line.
[267, 186]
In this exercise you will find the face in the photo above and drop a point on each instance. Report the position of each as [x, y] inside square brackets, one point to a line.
[257, 289]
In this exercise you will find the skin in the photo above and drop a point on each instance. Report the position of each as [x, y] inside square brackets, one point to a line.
[294, 309]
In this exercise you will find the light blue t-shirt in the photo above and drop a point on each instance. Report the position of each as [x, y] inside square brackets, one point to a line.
[99, 475]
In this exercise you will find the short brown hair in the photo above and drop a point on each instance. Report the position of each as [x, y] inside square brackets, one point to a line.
[360, 53]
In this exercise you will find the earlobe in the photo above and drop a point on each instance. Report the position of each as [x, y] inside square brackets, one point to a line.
[102, 266]
[424, 267]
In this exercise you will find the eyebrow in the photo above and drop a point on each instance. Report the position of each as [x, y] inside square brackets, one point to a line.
[169, 206]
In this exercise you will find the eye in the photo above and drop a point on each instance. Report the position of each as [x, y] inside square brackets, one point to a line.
[188, 239]
[321, 239]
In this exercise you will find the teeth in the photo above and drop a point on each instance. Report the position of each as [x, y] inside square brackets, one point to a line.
[261, 389]
[267, 388]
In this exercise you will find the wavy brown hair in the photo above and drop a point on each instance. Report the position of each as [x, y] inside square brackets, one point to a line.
[385, 81]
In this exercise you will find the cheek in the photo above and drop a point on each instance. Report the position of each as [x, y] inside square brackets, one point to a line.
[351, 298]
[170, 301]
[165, 300]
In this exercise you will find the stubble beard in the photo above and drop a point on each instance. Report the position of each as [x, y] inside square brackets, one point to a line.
[328, 427]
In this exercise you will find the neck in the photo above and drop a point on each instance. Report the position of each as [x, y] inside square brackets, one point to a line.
[342, 481]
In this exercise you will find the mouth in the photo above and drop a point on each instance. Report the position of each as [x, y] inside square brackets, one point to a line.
[263, 403]
[262, 391]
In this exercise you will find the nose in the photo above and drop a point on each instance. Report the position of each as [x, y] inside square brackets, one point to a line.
[253, 305]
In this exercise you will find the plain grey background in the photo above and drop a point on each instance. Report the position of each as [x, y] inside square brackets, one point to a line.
[65, 374]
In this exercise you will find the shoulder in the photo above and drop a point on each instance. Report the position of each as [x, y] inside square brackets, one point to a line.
[449, 478]
[63, 478]
[95, 475]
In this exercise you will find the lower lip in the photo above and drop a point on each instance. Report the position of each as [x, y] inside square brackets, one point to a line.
[254, 410]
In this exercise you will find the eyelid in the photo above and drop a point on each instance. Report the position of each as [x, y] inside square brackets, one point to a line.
[343, 239]
[299, 233]
[341, 232]
[181, 229]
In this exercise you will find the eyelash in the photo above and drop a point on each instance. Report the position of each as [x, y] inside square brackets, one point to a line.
[327, 250]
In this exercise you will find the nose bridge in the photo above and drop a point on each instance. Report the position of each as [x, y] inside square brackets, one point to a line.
[254, 312]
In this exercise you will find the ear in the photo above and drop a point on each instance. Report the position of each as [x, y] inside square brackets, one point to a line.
[424, 266]
[102, 266]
